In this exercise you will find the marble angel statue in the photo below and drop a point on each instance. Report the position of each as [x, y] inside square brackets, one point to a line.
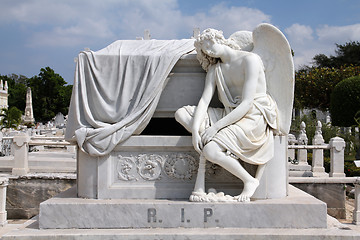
[254, 76]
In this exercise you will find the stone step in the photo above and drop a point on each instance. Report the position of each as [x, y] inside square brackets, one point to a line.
[31, 231]
[298, 210]
[300, 174]
[52, 163]
[47, 169]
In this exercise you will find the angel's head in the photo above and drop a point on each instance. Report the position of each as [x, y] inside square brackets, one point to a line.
[214, 36]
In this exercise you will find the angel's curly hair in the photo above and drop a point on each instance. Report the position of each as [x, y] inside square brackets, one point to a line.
[216, 36]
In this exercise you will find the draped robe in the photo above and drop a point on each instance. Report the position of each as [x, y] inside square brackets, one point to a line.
[251, 137]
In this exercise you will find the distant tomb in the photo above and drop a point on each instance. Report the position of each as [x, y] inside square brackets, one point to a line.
[59, 121]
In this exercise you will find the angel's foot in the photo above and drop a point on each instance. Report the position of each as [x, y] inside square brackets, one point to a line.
[198, 197]
[248, 191]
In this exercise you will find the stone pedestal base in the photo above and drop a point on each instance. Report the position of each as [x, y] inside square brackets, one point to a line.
[330, 233]
[298, 210]
[165, 167]
[3, 219]
[300, 215]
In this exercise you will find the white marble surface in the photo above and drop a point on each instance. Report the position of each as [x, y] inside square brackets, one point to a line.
[253, 73]
[99, 177]
[298, 210]
[330, 233]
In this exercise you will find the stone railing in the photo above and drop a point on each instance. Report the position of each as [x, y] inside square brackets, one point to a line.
[298, 160]
[20, 149]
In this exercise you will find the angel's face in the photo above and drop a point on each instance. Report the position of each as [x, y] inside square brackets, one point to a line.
[212, 48]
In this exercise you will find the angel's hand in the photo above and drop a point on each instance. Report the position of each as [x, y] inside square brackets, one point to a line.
[197, 143]
[209, 134]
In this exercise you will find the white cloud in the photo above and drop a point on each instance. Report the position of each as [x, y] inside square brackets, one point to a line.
[227, 19]
[90, 23]
[307, 42]
[166, 21]
[36, 11]
[338, 34]
[82, 32]
[299, 33]
[81, 22]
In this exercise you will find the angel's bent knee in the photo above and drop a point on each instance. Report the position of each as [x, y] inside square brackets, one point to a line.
[183, 117]
[180, 115]
[211, 151]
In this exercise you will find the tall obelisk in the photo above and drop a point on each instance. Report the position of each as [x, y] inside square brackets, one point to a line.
[29, 115]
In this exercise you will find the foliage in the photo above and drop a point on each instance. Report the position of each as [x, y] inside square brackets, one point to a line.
[350, 169]
[10, 118]
[313, 86]
[346, 54]
[50, 94]
[345, 102]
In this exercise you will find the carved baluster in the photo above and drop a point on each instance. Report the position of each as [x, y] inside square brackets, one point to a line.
[3, 214]
[302, 140]
[291, 152]
[318, 154]
[21, 149]
[337, 146]
[356, 213]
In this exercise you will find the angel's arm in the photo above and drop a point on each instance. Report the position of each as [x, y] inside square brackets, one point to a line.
[202, 107]
[252, 70]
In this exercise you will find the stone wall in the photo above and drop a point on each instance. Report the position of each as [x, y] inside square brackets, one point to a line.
[333, 194]
[25, 193]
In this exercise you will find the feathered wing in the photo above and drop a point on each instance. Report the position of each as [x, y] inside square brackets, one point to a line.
[273, 48]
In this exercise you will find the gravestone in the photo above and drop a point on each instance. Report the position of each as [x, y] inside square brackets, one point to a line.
[59, 121]
[145, 179]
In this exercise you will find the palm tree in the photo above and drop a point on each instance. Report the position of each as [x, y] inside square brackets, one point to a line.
[10, 118]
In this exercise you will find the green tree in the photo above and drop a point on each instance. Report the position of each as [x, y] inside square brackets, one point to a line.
[50, 95]
[346, 54]
[10, 118]
[345, 102]
[313, 86]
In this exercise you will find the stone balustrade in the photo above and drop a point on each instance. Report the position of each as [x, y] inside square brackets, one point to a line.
[21, 143]
[336, 147]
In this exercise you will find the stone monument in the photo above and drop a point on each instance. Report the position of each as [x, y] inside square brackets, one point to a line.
[3, 94]
[248, 84]
[115, 161]
[132, 177]
[29, 115]
[108, 129]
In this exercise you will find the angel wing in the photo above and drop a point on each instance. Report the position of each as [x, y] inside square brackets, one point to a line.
[274, 49]
[271, 45]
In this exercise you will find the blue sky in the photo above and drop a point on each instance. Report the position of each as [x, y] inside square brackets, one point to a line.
[41, 33]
